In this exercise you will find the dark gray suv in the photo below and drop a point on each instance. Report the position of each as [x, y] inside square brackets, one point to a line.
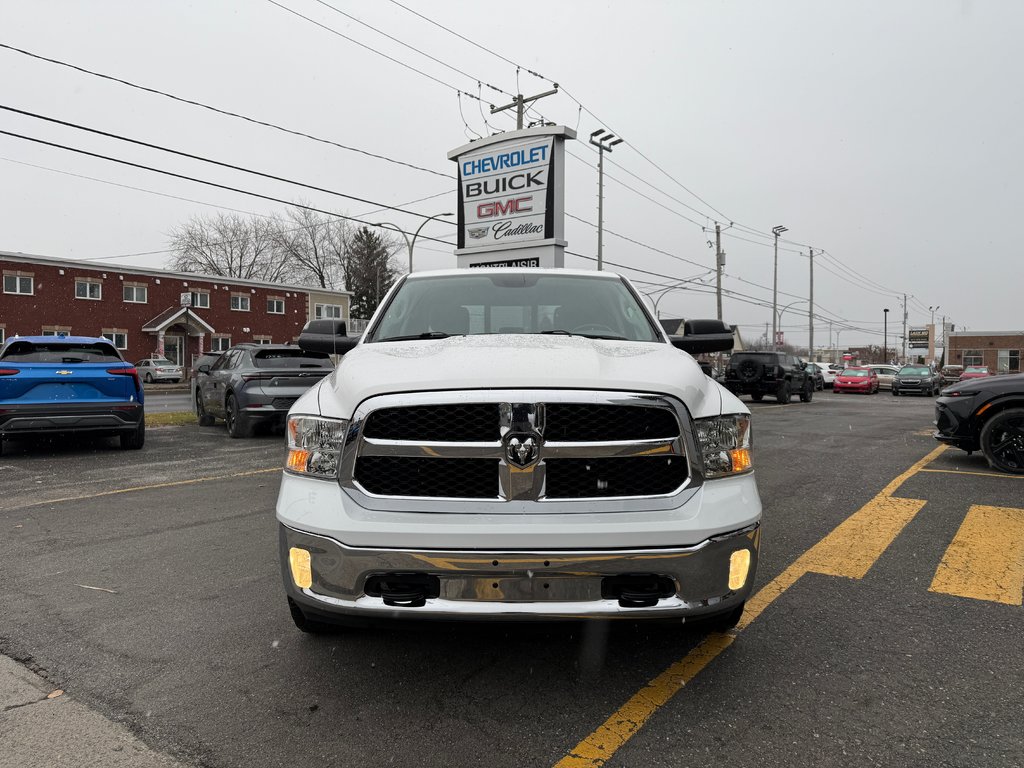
[916, 379]
[254, 384]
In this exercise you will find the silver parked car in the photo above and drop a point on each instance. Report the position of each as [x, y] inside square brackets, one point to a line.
[885, 374]
[254, 384]
[158, 369]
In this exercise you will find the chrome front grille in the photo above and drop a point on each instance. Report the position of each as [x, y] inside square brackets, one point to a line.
[517, 446]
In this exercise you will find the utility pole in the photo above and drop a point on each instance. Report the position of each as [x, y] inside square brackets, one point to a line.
[810, 317]
[719, 264]
[604, 141]
[520, 102]
[775, 284]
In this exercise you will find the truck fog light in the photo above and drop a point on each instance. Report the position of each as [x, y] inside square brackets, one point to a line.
[739, 567]
[302, 569]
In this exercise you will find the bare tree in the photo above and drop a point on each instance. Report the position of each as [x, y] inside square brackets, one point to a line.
[230, 245]
[315, 246]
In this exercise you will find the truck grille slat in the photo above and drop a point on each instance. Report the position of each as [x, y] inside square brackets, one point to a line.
[584, 478]
[413, 476]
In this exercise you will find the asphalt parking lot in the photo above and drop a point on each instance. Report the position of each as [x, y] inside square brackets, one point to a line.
[885, 628]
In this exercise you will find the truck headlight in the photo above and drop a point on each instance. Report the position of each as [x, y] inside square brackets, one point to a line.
[724, 443]
[314, 445]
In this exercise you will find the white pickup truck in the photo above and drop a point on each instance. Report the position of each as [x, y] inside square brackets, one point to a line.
[517, 444]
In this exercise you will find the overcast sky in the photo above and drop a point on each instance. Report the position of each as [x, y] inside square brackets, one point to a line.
[887, 134]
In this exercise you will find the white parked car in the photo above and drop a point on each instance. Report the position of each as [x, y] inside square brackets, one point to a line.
[828, 374]
[517, 444]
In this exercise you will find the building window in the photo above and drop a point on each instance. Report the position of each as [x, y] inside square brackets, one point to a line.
[88, 289]
[275, 306]
[1008, 361]
[16, 283]
[56, 330]
[135, 294]
[3, 331]
[200, 300]
[973, 357]
[119, 338]
[220, 344]
[263, 339]
[240, 302]
[327, 311]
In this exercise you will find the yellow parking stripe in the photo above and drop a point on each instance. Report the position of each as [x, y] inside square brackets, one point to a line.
[979, 474]
[631, 716]
[985, 560]
[193, 481]
[850, 550]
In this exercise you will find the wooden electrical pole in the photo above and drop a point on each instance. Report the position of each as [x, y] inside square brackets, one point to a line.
[520, 102]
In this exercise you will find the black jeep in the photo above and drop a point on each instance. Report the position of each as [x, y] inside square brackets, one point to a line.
[777, 374]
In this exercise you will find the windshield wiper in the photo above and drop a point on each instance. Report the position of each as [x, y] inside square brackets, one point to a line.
[417, 336]
[586, 335]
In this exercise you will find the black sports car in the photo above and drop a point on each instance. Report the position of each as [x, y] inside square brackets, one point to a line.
[987, 415]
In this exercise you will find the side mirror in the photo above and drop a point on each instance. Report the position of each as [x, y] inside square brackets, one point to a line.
[329, 336]
[204, 368]
[704, 336]
[803, 365]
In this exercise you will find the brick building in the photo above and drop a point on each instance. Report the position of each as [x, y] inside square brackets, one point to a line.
[999, 350]
[140, 309]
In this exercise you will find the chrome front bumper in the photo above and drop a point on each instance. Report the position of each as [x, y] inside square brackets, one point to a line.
[536, 586]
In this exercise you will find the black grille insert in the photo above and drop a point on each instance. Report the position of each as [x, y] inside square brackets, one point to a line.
[472, 422]
[630, 476]
[580, 422]
[419, 476]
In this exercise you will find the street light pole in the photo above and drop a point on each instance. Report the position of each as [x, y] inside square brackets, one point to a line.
[885, 336]
[604, 141]
[410, 244]
[775, 285]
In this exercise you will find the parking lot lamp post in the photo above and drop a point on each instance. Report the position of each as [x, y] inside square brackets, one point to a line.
[410, 244]
[604, 141]
[779, 319]
[775, 282]
[885, 336]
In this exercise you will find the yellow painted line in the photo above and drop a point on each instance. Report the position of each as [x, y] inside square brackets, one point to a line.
[985, 560]
[135, 488]
[599, 746]
[849, 550]
[979, 474]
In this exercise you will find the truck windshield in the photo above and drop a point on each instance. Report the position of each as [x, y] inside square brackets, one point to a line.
[475, 304]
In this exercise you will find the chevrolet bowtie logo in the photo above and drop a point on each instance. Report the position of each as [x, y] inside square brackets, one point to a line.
[63, 373]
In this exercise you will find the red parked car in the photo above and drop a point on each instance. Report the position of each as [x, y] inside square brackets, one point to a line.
[974, 372]
[856, 380]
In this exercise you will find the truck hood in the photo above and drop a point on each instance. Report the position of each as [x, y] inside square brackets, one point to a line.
[515, 362]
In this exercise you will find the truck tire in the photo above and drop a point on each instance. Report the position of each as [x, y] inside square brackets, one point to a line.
[307, 625]
[807, 392]
[784, 394]
[749, 371]
[757, 397]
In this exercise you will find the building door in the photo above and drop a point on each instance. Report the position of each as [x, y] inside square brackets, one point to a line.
[174, 349]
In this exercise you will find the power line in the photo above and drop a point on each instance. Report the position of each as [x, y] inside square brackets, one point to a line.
[411, 47]
[368, 47]
[213, 183]
[228, 113]
[218, 163]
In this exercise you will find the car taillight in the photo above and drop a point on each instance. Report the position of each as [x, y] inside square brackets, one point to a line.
[9, 371]
[133, 372]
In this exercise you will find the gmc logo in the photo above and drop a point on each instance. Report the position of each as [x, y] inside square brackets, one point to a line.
[503, 208]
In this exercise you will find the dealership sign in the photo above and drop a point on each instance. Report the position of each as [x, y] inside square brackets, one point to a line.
[511, 197]
[917, 338]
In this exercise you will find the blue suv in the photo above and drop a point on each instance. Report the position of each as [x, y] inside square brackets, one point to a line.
[52, 384]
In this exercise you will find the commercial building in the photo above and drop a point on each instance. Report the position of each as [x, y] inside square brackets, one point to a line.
[142, 309]
[999, 350]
